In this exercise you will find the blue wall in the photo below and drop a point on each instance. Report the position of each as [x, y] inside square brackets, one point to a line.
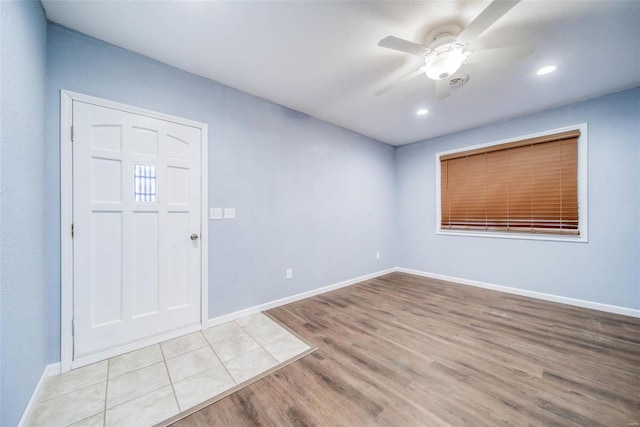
[308, 195]
[604, 270]
[22, 284]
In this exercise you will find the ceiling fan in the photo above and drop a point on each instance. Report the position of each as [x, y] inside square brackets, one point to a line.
[444, 57]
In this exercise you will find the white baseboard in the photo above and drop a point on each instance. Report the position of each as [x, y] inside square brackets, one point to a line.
[48, 371]
[52, 369]
[288, 300]
[532, 294]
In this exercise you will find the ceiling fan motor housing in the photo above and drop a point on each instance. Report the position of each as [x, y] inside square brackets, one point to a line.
[445, 58]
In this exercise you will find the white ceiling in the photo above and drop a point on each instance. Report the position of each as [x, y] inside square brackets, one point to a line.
[322, 58]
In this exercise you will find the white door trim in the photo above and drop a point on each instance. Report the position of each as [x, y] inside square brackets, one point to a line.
[66, 214]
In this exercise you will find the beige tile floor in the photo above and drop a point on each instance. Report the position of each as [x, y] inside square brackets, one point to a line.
[150, 385]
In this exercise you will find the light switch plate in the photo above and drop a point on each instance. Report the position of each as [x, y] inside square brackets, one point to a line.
[229, 213]
[215, 213]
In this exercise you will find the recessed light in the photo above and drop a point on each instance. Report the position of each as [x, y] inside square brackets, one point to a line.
[422, 111]
[546, 70]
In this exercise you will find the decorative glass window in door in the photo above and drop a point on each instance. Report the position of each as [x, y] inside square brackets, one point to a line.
[145, 183]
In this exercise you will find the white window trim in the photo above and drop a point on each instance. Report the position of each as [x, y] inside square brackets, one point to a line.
[582, 192]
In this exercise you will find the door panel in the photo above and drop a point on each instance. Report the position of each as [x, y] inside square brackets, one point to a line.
[136, 198]
[145, 264]
[106, 268]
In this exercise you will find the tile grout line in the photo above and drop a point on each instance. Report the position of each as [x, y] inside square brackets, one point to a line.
[246, 331]
[261, 346]
[106, 394]
[69, 392]
[145, 394]
[166, 368]
[136, 369]
[208, 344]
[221, 362]
[187, 352]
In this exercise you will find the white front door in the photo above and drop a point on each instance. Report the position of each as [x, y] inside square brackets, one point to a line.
[136, 216]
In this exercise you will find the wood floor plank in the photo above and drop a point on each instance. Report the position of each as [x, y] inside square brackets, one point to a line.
[402, 350]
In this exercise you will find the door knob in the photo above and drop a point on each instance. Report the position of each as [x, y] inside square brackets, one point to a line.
[194, 237]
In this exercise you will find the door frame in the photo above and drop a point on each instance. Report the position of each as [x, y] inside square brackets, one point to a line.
[66, 219]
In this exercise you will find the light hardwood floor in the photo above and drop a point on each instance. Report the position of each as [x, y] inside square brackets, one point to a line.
[403, 350]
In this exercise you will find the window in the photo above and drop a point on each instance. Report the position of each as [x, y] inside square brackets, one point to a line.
[145, 183]
[523, 187]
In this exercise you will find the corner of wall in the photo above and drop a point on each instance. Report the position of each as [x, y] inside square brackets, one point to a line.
[22, 278]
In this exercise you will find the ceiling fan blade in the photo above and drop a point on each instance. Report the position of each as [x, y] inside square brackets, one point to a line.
[443, 88]
[500, 54]
[408, 76]
[491, 14]
[404, 46]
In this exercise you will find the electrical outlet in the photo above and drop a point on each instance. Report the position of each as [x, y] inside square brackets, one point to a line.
[229, 213]
[377, 255]
[289, 273]
[215, 213]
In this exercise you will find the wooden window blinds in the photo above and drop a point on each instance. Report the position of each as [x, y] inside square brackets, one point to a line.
[528, 186]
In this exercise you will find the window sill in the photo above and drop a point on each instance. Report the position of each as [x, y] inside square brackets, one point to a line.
[582, 238]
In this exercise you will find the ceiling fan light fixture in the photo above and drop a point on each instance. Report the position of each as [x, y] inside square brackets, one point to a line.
[546, 70]
[443, 64]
